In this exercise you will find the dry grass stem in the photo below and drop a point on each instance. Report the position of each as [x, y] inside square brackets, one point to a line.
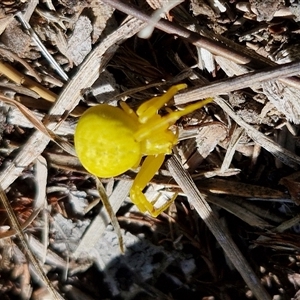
[235, 138]
[197, 200]
[232, 84]
[287, 157]
[21, 235]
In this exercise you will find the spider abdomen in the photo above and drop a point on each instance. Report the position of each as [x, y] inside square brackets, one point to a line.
[104, 141]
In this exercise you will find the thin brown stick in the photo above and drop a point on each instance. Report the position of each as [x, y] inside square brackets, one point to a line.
[171, 28]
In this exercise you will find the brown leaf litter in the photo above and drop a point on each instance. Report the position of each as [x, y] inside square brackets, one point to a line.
[232, 232]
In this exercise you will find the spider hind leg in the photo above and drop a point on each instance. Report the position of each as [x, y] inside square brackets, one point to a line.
[150, 166]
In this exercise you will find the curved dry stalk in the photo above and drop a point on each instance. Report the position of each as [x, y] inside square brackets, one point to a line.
[100, 222]
[110, 212]
[38, 124]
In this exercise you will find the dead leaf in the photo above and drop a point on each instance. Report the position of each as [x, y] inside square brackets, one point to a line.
[292, 183]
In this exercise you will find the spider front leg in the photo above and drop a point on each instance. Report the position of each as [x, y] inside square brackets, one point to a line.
[148, 169]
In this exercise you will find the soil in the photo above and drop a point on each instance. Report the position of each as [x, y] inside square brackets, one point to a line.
[233, 230]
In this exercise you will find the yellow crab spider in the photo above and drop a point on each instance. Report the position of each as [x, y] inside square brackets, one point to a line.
[111, 140]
